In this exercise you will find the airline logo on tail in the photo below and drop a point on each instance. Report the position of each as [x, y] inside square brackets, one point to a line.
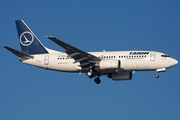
[26, 38]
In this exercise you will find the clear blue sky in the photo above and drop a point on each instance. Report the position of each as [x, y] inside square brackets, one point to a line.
[29, 93]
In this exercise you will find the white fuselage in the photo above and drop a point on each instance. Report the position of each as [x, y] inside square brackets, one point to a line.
[130, 61]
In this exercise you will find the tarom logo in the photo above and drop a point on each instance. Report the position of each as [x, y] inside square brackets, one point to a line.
[26, 38]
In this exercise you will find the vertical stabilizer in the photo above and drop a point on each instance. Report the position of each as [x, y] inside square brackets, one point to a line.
[30, 44]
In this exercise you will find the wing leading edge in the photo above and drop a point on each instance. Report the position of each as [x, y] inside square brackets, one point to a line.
[85, 59]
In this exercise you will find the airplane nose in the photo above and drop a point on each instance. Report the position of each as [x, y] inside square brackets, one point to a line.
[174, 62]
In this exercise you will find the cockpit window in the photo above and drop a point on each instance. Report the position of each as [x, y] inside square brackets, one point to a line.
[165, 55]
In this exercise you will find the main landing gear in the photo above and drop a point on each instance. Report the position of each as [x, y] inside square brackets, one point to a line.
[97, 80]
[92, 74]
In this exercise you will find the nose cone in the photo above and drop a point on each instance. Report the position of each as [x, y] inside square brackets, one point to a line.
[174, 62]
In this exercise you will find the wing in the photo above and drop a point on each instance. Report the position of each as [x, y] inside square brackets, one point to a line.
[85, 59]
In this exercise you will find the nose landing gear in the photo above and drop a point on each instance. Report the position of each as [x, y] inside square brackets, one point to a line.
[157, 75]
[159, 70]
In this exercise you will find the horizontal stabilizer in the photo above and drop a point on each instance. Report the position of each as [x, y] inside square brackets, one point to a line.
[18, 53]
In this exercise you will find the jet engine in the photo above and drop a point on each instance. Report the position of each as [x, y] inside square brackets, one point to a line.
[121, 76]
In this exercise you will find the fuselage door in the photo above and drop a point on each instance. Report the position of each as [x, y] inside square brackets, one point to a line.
[152, 56]
[46, 60]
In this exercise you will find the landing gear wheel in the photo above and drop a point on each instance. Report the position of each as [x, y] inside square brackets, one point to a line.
[157, 75]
[97, 80]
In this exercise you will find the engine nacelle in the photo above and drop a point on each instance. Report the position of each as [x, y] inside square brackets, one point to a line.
[109, 64]
[121, 76]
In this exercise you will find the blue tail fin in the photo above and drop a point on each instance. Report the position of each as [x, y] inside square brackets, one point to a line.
[30, 44]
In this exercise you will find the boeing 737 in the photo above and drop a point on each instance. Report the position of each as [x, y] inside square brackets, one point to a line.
[117, 65]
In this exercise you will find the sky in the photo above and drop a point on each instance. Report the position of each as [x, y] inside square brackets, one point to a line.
[30, 93]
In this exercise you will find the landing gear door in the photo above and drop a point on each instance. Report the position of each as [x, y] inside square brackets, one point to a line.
[46, 60]
[152, 56]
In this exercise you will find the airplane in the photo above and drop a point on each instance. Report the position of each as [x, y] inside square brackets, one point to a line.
[117, 65]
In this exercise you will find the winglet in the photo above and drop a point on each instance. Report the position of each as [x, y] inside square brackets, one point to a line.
[18, 53]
